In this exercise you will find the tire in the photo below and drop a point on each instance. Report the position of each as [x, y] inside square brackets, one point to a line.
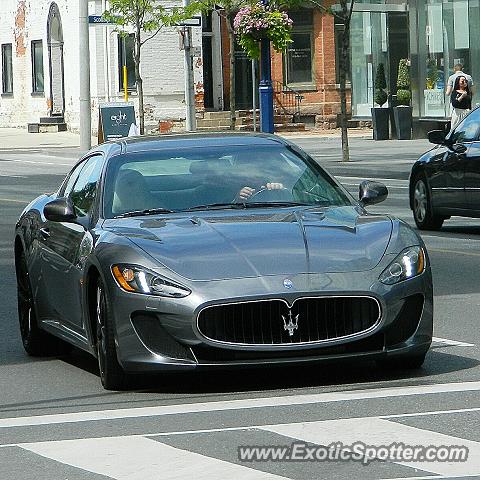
[423, 214]
[412, 362]
[112, 375]
[36, 342]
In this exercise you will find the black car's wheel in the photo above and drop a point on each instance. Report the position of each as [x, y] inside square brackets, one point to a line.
[412, 362]
[36, 342]
[422, 206]
[112, 374]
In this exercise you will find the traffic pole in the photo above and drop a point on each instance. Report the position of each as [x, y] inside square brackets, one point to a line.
[265, 88]
[85, 101]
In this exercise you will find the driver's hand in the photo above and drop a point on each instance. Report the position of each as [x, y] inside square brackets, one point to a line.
[273, 186]
[246, 192]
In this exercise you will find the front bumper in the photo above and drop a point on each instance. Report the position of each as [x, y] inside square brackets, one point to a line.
[160, 334]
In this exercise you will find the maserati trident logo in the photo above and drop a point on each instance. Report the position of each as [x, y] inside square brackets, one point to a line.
[292, 324]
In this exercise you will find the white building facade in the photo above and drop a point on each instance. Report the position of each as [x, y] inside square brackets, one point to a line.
[39, 76]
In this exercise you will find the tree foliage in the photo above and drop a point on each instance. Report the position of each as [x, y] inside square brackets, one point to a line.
[403, 83]
[380, 85]
[145, 18]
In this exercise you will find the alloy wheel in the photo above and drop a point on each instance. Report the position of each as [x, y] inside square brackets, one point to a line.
[25, 303]
[420, 201]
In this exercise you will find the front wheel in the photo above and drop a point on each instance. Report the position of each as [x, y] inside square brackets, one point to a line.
[36, 342]
[423, 213]
[112, 375]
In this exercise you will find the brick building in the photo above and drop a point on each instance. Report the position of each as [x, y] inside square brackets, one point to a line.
[308, 69]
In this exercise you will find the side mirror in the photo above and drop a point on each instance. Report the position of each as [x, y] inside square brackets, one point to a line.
[437, 137]
[59, 210]
[371, 192]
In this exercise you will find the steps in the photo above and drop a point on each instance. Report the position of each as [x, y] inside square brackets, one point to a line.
[215, 121]
[51, 124]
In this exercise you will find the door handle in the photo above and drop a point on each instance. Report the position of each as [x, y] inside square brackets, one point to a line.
[45, 232]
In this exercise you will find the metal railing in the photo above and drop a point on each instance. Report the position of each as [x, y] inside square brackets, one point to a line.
[286, 101]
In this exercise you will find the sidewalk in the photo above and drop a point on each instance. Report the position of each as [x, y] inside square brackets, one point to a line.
[17, 138]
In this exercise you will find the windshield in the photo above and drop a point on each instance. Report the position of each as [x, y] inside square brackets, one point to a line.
[172, 180]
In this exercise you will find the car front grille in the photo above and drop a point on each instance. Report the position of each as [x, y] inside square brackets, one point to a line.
[273, 322]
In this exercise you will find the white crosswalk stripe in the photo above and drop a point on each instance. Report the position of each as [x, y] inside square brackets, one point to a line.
[380, 432]
[139, 458]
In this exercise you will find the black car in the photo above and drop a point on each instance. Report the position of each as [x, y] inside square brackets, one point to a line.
[445, 181]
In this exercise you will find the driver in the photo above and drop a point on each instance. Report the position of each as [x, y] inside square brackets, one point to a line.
[246, 192]
[249, 170]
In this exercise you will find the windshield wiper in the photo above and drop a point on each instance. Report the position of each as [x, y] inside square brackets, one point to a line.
[218, 206]
[147, 211]
[276, 204]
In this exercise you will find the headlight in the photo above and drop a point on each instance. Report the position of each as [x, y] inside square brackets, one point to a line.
[132, 278]
[408, 264]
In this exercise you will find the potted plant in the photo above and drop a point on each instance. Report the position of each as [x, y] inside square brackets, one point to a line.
[403, 110]
[380, 114]
[257, 21]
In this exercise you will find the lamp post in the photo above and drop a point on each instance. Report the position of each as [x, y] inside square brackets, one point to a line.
[265, 88]
[84, 54]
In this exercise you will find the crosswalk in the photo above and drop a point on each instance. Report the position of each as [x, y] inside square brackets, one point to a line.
[153, 457]
[213, 453]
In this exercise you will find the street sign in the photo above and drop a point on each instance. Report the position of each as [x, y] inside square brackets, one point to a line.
[115, 121]
[195, 21]
[98, 20]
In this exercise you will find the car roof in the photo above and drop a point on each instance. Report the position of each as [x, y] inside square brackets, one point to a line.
[152, 143]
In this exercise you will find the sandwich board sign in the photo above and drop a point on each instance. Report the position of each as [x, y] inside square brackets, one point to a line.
[115, 120]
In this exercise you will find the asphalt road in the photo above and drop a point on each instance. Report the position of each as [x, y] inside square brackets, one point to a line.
[56, 421]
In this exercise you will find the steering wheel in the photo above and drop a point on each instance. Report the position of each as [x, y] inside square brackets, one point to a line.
[273, 195]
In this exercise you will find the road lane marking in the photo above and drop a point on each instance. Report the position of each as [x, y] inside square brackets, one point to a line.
[42, 163]
[139, 458]
[24, 202]
[273, 425]
[289, 400]
[458, 252]
[380, 432]
[453, 343]
[400, 181]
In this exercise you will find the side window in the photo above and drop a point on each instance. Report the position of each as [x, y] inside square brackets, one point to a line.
[467, 130]
[66, 190]
[85, 189]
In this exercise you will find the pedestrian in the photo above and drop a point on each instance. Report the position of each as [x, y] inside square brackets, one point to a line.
[461, 100]
[457, 71]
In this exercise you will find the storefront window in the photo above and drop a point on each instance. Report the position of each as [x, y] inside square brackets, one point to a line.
[298, 60]
[447, 43]
[369, 48]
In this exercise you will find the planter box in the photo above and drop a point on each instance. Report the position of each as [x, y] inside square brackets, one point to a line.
[403, 122]
[380, 123]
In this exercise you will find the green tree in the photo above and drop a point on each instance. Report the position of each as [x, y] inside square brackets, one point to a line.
[146, 18]
[380, 85]
[403, 83]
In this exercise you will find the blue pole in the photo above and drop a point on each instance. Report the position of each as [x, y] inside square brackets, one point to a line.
[265, 88]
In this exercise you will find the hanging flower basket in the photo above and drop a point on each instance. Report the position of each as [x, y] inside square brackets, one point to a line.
[256, 22]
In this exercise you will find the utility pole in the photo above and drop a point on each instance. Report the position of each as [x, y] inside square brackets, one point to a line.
[191, 123]
[85, 101]
[265, 88]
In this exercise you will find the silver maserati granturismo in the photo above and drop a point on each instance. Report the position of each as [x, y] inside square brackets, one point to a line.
[217, 251]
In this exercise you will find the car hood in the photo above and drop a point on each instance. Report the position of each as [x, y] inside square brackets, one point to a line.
[225, 245]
